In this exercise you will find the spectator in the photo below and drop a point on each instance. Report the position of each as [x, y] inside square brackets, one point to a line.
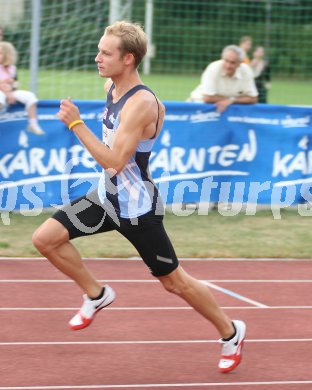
[9, 94]
[245, 44]
[261, 70]
[226, 81]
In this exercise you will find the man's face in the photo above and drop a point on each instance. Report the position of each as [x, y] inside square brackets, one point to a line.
[231, 62]
[108, 59]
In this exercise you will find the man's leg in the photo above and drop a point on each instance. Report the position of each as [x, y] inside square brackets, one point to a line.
[52, 241]
[151, 240]
[197, 295]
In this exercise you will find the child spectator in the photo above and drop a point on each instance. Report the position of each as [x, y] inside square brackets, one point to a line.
[245, 43]
[261, 70]
[9, 92]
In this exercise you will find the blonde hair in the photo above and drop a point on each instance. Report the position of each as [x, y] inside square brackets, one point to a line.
[133, 39]
[9, 53]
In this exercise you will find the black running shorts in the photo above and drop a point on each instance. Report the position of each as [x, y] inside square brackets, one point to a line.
[86, 216]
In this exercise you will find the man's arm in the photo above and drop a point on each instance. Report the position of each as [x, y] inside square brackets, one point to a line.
[239, 100]
[135, 117]
[224, 102]
[245, 99]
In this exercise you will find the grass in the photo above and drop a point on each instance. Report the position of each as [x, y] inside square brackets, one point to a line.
[193, 236]
[86, 85]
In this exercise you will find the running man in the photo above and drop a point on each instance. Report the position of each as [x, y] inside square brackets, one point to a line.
[126, 199]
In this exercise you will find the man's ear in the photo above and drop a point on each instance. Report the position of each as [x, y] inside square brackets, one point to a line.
[128, 59]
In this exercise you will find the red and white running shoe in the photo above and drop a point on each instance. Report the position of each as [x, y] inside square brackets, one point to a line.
[90, 307]
[231, 354]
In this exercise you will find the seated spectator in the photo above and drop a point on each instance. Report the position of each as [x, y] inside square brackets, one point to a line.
[261, 70]
[9, 92]
[245, 43]
[226, 81]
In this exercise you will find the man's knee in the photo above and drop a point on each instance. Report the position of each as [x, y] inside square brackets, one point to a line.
[178, 282]
[49, 236]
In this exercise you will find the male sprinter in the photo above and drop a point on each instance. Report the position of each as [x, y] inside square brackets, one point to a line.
[126, 199]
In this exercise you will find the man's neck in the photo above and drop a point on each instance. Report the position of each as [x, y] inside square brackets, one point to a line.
[124, 83]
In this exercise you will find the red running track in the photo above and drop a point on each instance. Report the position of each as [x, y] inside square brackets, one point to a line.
[149, 339]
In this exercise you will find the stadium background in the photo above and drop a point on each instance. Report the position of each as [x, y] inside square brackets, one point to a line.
[185, 36]
[57, 43]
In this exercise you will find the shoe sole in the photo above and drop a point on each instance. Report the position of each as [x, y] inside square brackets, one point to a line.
[87, 321]
[237, 361]
[237, 358]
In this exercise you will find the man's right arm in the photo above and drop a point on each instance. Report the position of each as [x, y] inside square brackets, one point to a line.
[213, 98]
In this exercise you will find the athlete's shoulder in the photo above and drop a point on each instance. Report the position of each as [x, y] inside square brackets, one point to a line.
[146, 99]
[143, 105]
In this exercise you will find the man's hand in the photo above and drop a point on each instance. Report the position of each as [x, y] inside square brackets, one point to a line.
[69, 112]
[223, 104]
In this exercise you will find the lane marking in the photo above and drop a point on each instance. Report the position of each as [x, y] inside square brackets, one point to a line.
[234, 294]
[156, 281]
[153, 308]
[209, 284]
[148, 342]
[163, 385]
[213, 259]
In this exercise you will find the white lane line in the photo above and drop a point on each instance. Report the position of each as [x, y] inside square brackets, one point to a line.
[156, 281]
[209, 284]
[71, 281]
[163, 385]
[148, 342]
[154, 308]
[212, 259]
[234, 294]
[107, 308]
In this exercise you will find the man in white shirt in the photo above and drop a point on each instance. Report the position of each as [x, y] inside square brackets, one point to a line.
[226, 81]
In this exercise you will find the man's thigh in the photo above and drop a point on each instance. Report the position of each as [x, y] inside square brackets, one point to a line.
[84, 216]
[150, 239]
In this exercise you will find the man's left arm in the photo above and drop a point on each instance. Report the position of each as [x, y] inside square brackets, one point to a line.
[223, 104]
[244, 99]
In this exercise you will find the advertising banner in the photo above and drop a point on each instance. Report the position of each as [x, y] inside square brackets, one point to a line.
[250, 153]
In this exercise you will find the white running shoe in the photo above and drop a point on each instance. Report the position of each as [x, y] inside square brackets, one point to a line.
[35, 129]
[89, 309]
[231, 354]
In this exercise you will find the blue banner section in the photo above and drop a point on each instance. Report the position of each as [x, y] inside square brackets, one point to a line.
[250, 153]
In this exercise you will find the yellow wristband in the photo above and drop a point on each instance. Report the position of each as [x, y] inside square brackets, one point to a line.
[74, 123]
